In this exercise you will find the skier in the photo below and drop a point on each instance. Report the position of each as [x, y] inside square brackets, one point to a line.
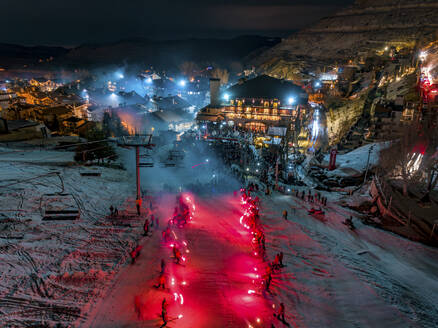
[177, 254]
[161, 281]
[280, 259]
[146, 228]
[133, 255]
[276, 262]
[111, 210]
[164, 316]
[163, 266]
[280, 314]
[138, 205]
[262, 239]
[285, 215]
[137, 306]
[116, 211]
[166, 234]
[268, 279]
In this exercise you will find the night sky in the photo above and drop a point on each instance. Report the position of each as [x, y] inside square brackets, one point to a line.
[72, 22]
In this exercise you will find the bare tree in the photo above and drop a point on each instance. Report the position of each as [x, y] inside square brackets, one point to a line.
[399, 160]
[429, 164]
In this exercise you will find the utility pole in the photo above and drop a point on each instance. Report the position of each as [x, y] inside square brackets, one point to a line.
[137, 170]
[368, 162]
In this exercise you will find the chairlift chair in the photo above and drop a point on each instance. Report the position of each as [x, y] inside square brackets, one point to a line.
[61, 206]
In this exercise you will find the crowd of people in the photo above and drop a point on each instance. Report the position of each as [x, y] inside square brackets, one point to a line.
[251, 221]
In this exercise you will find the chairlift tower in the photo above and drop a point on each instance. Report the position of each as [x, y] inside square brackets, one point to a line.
[137, 141]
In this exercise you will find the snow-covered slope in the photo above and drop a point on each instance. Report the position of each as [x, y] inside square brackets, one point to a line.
[49, 270]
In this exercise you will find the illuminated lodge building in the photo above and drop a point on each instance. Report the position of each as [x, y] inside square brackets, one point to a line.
[255, 105]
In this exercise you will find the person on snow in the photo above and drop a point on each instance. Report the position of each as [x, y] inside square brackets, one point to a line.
[146, 227]
[111, 210]
[138, 205]
[177, 254]
[285, 215]
[156, 220]
[280, 259]
[133, 255]
[137, 306]
[166, 234]
[161, 281]
[268, 279]
[163, 266]
[280, 314]
[262, 240]
[164, 315]
[116, 211]
[276, 262]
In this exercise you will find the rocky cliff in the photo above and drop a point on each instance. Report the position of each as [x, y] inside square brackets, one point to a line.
[368, 25]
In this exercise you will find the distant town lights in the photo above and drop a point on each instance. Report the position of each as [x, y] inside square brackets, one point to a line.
[182, 83]
[226, 96]
[291, 100]
[149, 80]
[113, 95]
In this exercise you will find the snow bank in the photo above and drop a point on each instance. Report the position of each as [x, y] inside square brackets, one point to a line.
[354, 163]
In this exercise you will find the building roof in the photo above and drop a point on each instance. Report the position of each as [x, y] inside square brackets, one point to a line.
[266, 87]
[171, 103]
[170, 116]
[20, 124]
[131, 98]
[57, 110]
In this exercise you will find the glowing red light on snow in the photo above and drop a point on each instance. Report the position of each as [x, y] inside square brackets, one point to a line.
[183, 258]
[173, 281]
[171, 245]
[184, 283]
[176, 296]
[255, 253]
[257, 276]
[187, 251]
[273, 306]
[185, 244]
[258, 320]
[250, 291]
[181, 299]
[180, 316]
[255, 269]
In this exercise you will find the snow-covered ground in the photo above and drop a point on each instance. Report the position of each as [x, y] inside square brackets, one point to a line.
[339, 278]
[333, 277]
[355, 162]
[50, 270]
[76, 273]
